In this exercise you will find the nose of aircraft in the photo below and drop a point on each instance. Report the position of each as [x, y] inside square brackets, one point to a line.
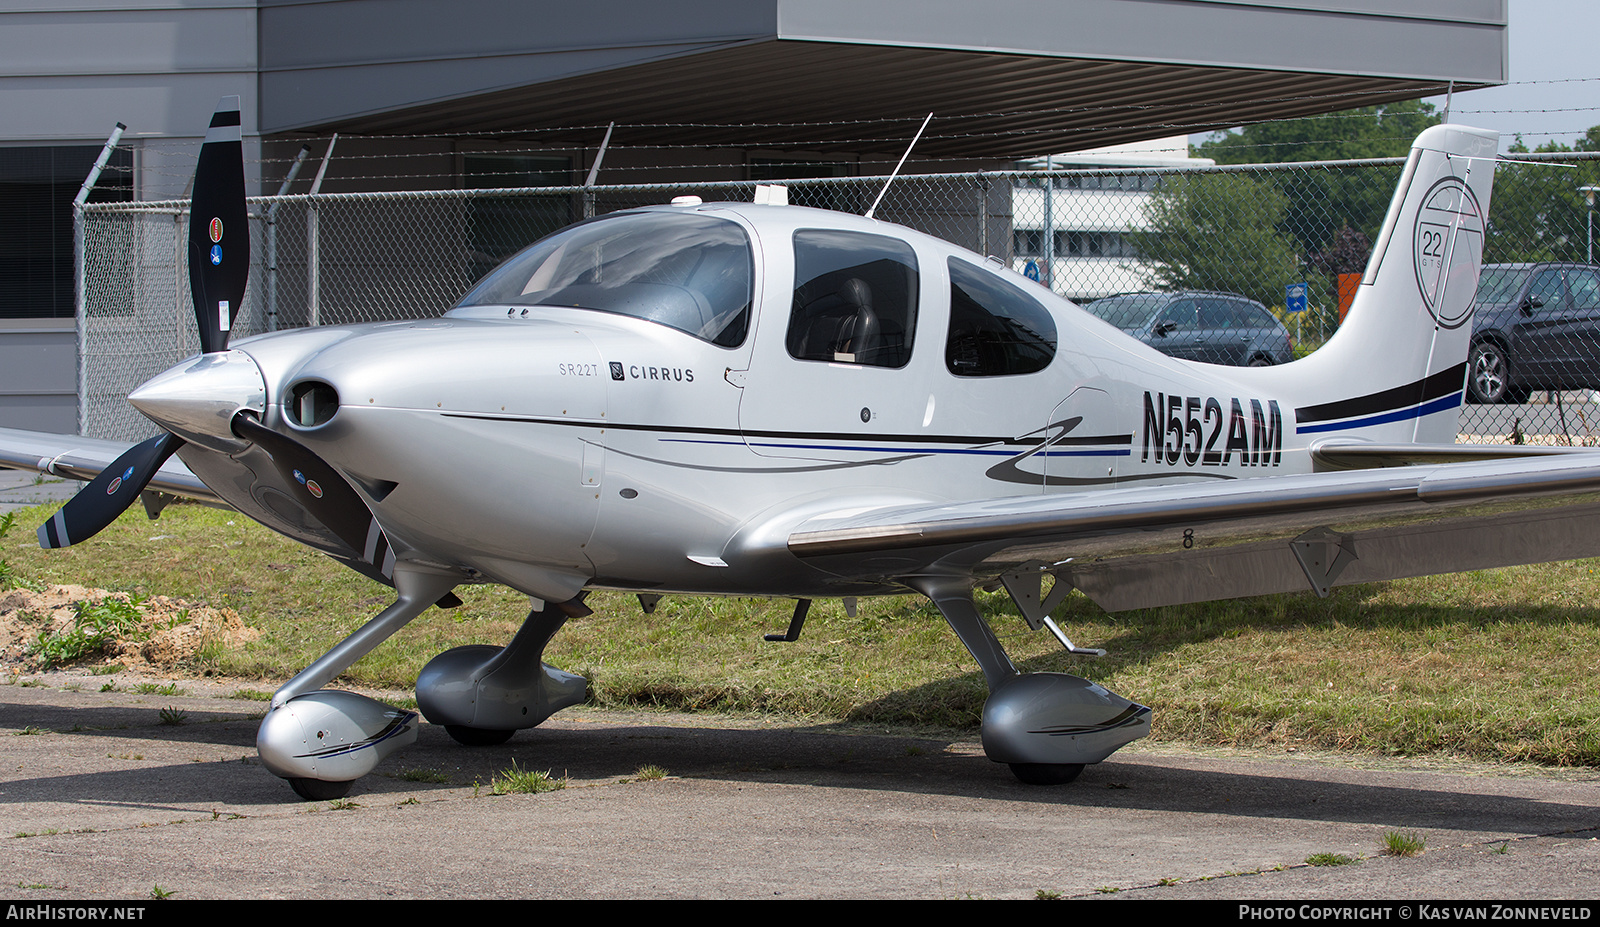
[198, 399]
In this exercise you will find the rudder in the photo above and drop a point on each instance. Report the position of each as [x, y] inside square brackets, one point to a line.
[1409, 328]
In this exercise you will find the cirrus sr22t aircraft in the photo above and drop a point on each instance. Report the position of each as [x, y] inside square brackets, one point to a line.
[765, 400]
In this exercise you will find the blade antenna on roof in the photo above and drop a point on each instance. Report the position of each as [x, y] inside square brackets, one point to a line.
[897, 167]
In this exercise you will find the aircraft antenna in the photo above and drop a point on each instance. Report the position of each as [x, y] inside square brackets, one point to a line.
[897, 167]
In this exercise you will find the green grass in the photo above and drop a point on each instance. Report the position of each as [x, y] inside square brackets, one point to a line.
[1495, 665]
[1329, 859]
[517, 780]
[155, 688]
[1396, 843]
[95, 626]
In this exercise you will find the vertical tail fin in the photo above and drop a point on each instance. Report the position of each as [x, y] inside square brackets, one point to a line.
[1402, 349]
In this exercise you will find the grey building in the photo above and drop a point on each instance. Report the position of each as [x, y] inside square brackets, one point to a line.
[709, 88]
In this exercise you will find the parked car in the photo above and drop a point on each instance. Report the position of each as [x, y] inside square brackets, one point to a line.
[1218, 328]
[1535, 327]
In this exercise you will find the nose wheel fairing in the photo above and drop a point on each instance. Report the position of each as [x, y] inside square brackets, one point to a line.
[332, 736]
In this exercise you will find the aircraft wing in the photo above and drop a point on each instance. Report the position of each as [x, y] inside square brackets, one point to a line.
[81, 458]
[1192, 542]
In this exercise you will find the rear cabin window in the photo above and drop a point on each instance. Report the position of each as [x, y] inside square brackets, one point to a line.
[996, 328]
[855, 298]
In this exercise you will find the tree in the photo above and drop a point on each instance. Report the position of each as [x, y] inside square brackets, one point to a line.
[1218, 232]
[1323, 200]
[1538, 212]
[1385, 131]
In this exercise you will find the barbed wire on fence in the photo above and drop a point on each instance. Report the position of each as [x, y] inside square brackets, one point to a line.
[173, 160]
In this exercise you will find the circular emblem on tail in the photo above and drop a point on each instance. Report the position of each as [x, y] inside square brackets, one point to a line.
[1447, 247]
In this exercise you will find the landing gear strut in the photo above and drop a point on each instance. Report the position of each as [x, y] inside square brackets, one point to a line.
[1045, 726]
[322, 740]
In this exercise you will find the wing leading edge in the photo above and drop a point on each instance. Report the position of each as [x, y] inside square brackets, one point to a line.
[1191, 542]
[81, 458]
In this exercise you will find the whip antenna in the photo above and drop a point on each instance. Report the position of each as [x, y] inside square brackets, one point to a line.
[897, 167]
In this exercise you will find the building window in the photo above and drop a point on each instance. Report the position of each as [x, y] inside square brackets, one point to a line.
[37, 186]
[1094, 244]
[1070, 243]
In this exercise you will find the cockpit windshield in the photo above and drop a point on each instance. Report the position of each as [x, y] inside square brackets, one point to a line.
[691, 272]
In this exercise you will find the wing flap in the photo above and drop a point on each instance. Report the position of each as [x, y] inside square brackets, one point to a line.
[1134, 548]
[1352, 455]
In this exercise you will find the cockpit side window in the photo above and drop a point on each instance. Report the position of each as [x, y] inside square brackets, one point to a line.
[690, 272]
[996, 328]
[855, 298]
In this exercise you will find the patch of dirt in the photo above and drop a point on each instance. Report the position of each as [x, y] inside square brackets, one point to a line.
[170, 633]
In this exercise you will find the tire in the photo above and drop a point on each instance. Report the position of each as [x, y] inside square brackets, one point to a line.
[1489, 375]
[1260, 361]
[476, 736]
[1046, 773]
[319, 789]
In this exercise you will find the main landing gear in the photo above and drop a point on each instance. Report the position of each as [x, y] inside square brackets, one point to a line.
[1045, 726]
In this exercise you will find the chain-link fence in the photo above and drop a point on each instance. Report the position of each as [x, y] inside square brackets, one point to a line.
[1251, 231]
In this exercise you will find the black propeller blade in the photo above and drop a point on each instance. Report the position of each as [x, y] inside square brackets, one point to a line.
[219, 265]
[219, 229]
[323, 492]
[99, 503]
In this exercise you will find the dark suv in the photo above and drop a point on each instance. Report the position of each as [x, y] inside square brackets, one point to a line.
[1535, 327]
[1218, 328]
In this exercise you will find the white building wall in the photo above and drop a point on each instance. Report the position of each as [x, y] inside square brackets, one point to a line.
[1105, 212]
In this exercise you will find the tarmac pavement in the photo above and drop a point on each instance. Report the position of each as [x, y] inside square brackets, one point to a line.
[100, 800]
[20, 489]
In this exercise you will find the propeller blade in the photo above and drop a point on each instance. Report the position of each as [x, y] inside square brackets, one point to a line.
[107, 495]
[323, 492]
[219, 229]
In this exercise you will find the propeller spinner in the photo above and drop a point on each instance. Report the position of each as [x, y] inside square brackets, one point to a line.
[188, 400]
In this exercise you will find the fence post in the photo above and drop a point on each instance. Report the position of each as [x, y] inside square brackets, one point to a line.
[180, 257]
[983, 215]
[80, 268]
[313, 266]
[272, 237]
[314, 243]
[80, 314]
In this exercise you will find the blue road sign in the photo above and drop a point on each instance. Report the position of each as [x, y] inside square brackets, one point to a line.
[1294, 296]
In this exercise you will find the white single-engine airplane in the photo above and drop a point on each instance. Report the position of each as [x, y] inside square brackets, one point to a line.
[741, 399]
